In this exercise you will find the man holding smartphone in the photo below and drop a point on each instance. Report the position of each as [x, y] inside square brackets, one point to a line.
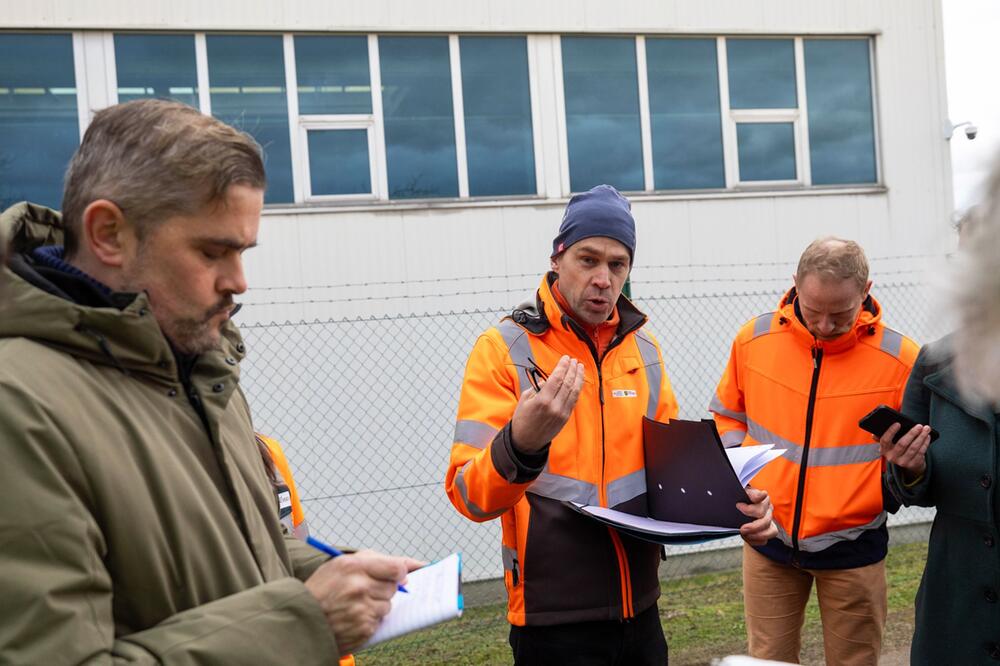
[801, 378]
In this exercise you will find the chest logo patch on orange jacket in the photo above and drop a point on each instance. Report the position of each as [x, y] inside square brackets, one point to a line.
[623, 393]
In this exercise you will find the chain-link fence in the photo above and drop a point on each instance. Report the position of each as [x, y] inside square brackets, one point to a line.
[365, 408]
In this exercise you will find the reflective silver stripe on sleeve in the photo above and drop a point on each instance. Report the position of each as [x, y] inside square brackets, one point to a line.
[762, 324]
[626, 487]
[474, 433]
[654, 371]
[509, 557]
[824, 541]
[892, 341]
[519, 349]
[793, 450]
[564, 488]
[733, 438]
[717, 407]
[819, 456]
[463, 491]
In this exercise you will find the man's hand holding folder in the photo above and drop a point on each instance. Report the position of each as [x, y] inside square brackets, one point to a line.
[762, 528]
[695, 488]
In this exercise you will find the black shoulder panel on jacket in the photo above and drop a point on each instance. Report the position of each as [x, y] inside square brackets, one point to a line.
[531, 316]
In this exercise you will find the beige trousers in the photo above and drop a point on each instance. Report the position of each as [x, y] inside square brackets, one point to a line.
[852, 605]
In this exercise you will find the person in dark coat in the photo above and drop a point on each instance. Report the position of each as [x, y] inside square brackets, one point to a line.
[957, 605]
[955, 388]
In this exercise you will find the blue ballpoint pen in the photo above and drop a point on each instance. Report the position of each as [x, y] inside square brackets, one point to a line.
[333, 552]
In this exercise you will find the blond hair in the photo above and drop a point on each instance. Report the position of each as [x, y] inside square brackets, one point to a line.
[976, 295]
[836, 258]
[156, 159]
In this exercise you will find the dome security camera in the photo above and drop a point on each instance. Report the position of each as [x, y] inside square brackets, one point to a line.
[971, 131]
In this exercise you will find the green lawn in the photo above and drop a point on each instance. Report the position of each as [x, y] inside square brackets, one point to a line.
[702, 617]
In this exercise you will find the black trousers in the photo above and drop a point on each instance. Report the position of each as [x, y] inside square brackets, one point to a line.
[638, 642]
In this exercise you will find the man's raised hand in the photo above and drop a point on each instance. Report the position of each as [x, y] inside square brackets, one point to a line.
[541, 415]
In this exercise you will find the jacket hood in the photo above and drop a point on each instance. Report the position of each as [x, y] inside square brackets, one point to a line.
[129, 338]
[865, 325]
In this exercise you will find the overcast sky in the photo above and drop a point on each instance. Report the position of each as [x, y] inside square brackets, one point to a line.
[972, 61]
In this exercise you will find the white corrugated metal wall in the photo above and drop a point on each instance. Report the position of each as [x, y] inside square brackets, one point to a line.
[303, 246]
[322, 262]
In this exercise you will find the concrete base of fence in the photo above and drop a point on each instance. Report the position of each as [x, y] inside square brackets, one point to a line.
[485, 592]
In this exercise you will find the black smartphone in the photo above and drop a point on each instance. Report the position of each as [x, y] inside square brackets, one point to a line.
[879, 419]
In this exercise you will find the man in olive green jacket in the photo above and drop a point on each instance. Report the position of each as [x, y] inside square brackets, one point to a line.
[137, 523]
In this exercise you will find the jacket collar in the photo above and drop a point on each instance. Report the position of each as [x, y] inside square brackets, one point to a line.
[546, 312]
[126, 337]
[940, 378]
[866, 324]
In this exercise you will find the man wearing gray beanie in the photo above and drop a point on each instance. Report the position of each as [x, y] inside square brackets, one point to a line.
[551, 411]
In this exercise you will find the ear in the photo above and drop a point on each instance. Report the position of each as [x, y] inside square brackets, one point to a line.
[107, 236]
[554, 263]
[868, 288]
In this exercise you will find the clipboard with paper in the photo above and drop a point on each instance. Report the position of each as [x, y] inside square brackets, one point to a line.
[434, 595]
[692, 485]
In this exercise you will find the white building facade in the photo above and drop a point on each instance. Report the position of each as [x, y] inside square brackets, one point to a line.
[420, 153]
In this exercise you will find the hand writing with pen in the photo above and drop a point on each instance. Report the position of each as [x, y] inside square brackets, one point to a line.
[544, 409]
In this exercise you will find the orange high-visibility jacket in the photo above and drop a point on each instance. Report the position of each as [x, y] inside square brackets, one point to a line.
[559, 566]
[784, 387]
[289, 507]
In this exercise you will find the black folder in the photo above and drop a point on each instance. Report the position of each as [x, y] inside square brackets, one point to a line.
[688, 477]
[692, 487]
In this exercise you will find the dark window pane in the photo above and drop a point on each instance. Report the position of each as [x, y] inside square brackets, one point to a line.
[39, 125]
[761, 73]
[685, 119]
[419, 117]
[247, 78]
[497, 100]
[333, 75]
[767, 151]
[338, 162]
[602, 112]
[841, 126]
[161, 66]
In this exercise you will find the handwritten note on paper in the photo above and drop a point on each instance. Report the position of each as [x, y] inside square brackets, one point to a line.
[435, 595]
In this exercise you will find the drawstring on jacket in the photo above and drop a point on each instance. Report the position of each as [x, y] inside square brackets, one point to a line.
[102, 344]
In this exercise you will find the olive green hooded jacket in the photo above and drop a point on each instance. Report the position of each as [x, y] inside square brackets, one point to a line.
[132, 528]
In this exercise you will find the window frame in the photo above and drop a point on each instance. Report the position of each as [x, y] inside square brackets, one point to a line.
[722, 82]
[798, 116]
[535, 115]
[97, 86]
[875, 94]
[642, 94]
[78, 51]
[333, 123]
[301, 124]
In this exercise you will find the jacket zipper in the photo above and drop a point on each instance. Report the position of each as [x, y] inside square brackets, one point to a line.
[623, 567]
[194, 399]
[817, 355]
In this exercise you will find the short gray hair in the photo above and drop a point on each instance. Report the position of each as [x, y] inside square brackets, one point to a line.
[977, 299]
[156, 159]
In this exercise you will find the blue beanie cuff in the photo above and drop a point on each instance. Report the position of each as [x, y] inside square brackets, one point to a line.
[601, 211]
